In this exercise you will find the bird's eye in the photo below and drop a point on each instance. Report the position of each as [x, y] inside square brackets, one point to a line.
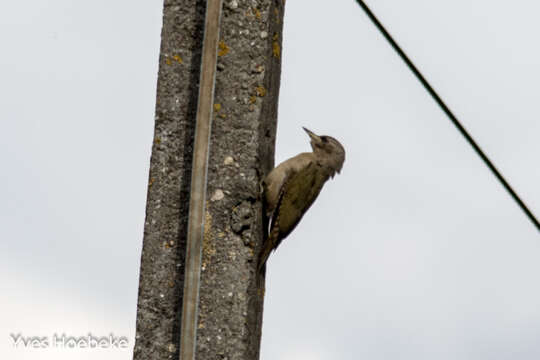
[324, 138]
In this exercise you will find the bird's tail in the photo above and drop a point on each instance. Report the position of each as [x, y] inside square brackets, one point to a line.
[272, 240]
[265, 253]
[269, 245]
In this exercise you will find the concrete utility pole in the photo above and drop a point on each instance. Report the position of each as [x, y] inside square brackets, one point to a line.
[241, 153]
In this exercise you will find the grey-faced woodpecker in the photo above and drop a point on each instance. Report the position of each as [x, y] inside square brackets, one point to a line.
[292, 186]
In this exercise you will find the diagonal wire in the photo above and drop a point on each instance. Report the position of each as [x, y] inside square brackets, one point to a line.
[449, 113]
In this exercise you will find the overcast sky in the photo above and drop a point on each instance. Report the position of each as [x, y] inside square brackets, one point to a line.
[414, 252]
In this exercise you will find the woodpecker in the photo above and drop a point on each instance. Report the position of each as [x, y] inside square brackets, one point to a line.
[292, 186]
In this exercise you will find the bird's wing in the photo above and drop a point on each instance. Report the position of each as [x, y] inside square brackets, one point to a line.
[299, 191]
[302, 188]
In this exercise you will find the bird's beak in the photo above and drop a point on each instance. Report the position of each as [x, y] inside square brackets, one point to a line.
[314, 137]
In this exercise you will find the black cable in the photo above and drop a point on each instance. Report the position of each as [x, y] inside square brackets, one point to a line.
[452, 117]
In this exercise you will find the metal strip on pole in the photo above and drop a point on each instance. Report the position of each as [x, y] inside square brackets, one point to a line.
[190, 306]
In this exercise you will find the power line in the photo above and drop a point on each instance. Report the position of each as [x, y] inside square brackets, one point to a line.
[449, 113]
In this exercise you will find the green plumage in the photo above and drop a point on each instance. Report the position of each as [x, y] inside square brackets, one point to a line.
[300, 189]
[291, 188]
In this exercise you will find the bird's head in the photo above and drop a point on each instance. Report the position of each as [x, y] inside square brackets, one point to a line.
[328, 150]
